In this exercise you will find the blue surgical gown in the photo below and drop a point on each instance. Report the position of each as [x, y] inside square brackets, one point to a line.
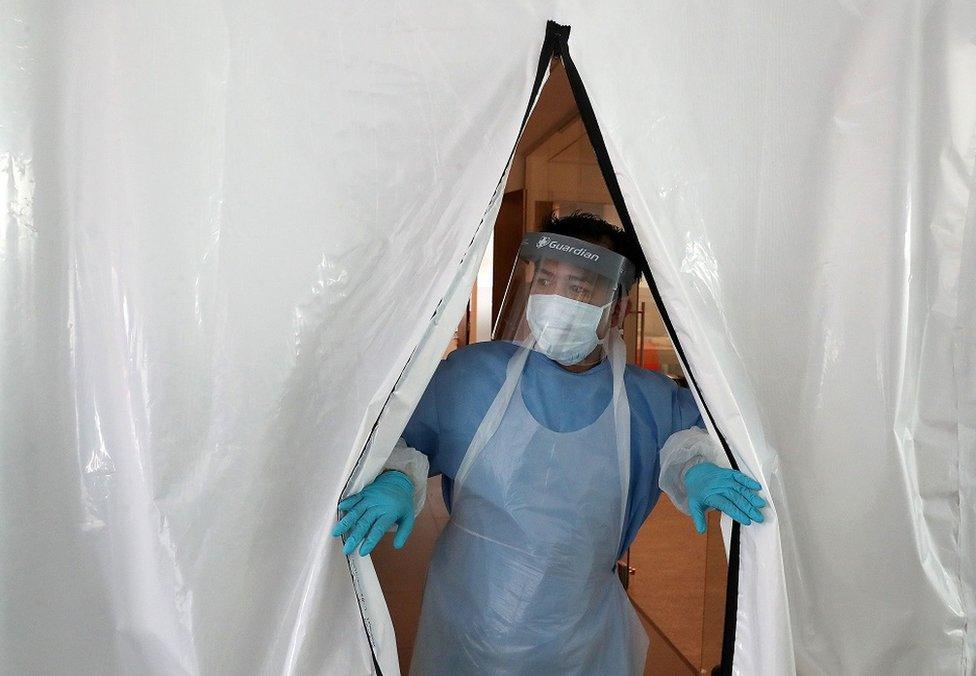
[465, 384]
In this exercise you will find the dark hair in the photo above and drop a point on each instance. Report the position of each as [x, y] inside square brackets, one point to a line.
[593, 229]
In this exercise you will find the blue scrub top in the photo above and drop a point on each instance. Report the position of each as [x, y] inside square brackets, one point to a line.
[465, 384]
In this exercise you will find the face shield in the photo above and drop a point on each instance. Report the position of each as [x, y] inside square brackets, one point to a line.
[564, 298]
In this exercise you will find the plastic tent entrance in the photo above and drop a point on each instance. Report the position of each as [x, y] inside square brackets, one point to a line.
[237, 236]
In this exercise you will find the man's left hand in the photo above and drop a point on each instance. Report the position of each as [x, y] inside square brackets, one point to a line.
[727, 490]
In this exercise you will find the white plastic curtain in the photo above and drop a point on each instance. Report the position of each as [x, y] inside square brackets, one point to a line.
[238, 235]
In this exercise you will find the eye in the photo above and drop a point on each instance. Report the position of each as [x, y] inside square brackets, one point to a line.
[545, 282]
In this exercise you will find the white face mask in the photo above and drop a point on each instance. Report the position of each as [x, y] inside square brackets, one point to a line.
[564, 329]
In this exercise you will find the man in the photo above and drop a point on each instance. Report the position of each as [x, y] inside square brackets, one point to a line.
[552, 452]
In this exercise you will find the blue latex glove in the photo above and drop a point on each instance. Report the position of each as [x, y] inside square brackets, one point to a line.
[371, 512]
[727, 490]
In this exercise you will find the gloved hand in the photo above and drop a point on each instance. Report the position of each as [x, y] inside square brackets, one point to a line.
[727, 490]
[371, 512]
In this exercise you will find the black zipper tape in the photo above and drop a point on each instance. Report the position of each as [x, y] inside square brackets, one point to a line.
[561, 34]
[548, 51]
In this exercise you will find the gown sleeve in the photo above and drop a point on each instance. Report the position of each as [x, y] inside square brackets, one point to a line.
[415, 465]
[688, 444]
[683, 450]
[415, 452]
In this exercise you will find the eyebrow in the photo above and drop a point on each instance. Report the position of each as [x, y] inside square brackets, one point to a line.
[574, 278]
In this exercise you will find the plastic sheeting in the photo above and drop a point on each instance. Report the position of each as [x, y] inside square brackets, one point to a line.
[238, 235]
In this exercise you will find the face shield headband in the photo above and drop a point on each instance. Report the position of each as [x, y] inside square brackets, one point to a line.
[600, 260]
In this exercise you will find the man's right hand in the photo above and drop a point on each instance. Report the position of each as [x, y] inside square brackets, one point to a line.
[372, 511]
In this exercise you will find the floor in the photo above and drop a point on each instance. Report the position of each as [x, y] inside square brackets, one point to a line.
[678, 587]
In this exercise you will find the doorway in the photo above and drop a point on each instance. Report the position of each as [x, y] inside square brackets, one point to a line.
[675, 578]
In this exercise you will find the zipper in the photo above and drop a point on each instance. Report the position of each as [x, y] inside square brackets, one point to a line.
[588, 116]
[549, 49]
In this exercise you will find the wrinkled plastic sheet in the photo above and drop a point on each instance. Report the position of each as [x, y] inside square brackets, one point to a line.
[237, 237]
